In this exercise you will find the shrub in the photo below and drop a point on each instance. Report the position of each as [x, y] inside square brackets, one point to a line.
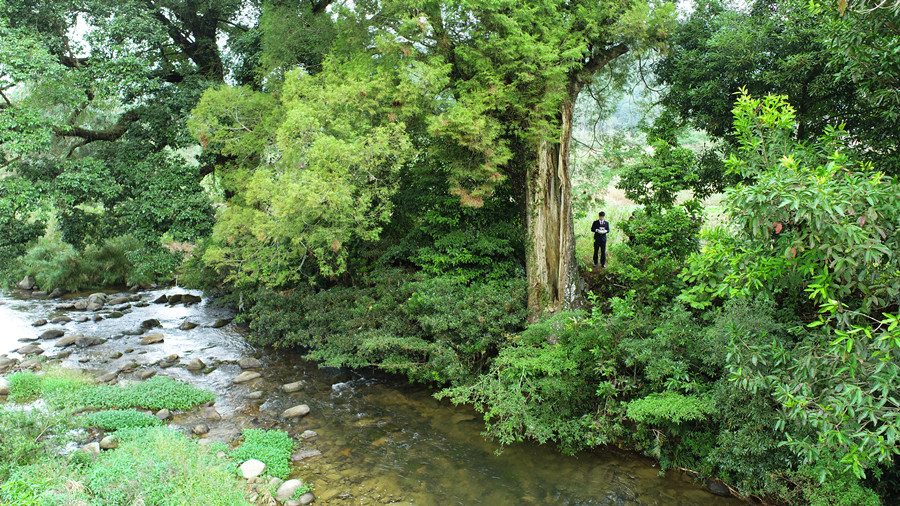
[120, 419]
[24, 386]
[272, 447]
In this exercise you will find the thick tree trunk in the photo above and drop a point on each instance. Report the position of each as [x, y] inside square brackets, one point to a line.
[550, 260]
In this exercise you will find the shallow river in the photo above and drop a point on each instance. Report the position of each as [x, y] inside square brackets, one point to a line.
[382, 441]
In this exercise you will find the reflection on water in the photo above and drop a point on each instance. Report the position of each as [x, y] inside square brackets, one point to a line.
[380, 440]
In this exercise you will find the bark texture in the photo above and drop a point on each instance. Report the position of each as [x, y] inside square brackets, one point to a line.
[550, 261]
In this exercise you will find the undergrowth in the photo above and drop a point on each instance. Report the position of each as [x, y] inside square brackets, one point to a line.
[272, 447]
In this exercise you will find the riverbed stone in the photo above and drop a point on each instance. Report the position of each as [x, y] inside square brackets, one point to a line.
[94, 306]
[287, 489]
[110, 442]
[33, 364]
[188, 299]
[221, 322]
[61, 319]
[200, 429]
[163, 414]
[146, 374]
[245, 377]
[92, 449]
[150, 324]
[187, 326]
[27, 283]
[86, 342]
[4, 386]
[257, 394]
[128, 367]
[297, 411]
[252, 468]
[80, 305]
[68, 340]
[30, 349]
[119, 300]
[116, 354]
[304, 454]
[7, 363]
[162, 299]
[718, 488]
[305, 499]
[249, 363]
[210, 413]
[67, 307]
[39, 323]
[153, 339]
[97, 297]
[82, 319]
[115, 314]
[97, 318]
[27, 339]
[51, 334]
[308, 434]
[63, 354]
[172, 358]
[133, 332]
[196, 365]
[84, 360]
[290, 388]
[57, 293]
[141, 304]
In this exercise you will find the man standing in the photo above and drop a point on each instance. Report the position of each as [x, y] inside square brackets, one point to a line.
[600, 228]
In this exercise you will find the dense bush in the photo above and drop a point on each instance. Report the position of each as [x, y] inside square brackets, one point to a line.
[116, 419]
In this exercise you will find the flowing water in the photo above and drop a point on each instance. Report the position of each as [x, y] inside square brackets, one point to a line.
[380, 440]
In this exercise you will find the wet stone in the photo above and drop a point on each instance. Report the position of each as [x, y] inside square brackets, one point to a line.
[153, 339]
[305, 454]
[308, 434]
[162, 299]
[116, 354]
[141, 304]
[290, 388]
[30, 350]
[296, 411]
[189, 299]
[133, 332]
[127, 367]
[209, 370]
[106, 378]
[38, 323]
[249, 363]
[196, 365]
[245, 377]
[85, 342]
[252, 469]
[63, 354]
[32, 363]
[61, 319]
[187, 326]
[97, 318]
[287, 489]
[115, 314]
[306, 498]
[163, 414]
[66, 307]
[52, 334]
[119, 300]
[258, 394]
[81, 305]
[57, 293]
[210, 413]
[109, 443]
[150, 324]
[27, 339]
[146, 374]
[82, 319]
[200, 429]
[174, 299]
[84, 360]
[221, 322]
[94, 306]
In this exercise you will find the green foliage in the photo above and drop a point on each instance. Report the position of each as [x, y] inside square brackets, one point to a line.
[430, 330]
[159, 466]
[156, 393]
[21, 444]
[669, 407]
[18, 203]
[112, 420]
[24, 386]
[272, 447]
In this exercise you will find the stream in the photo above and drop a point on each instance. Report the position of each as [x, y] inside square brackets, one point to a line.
[380, 440]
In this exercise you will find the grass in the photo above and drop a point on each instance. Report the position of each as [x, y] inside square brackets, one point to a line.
[153, 465]
[271, 447]
[67, 388]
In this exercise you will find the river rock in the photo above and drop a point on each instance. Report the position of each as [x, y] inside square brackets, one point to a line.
[163, 414]
[128, 367]
[82, 319]
[258, 394]
[153, 339]
[162, 299]
[67, 307]
[27, 283]
[133, 332]
[115, 314]
[290, 388]
[135, 297]
[718, 488]
[210, 413]
[98, 297]
[61, 319]
[245, 377]
[116, 354]
[4, 386]
[7, 363]
[287, 489]
[52, 334]
[200, 429]
[252, 469]
[119, 300]
[196, 365]
[109, 442]
[172, 358]
[308, 434]
[292, 502]
[86, 342]
[63, 354]
[249, 363]
[189, 299]
[30, 350]
[174, 298]
[146, 374]
[187, 326]
[81, 305]
[92, 449]
[57, 293]
[38, 323]
[141, 304]
[33, 364]
[221, 322]
[150, 324]
[304, 454]
[27, 339]
[94, 306]
[296, 412]
[68, 340]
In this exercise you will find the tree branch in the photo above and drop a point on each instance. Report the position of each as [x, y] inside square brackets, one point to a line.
[110, 134]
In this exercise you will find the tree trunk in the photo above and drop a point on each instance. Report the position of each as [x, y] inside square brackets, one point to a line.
[550, 259]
